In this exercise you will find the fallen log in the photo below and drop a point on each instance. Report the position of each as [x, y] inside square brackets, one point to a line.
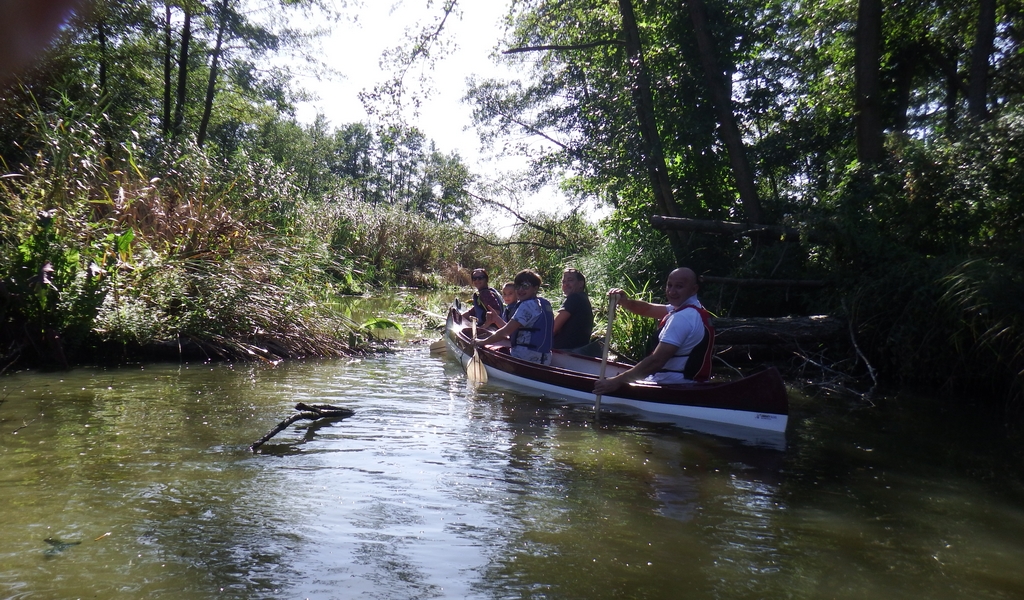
[789, 234]
[312, 412]
[778, 330]
[739, 340]
[787, 283]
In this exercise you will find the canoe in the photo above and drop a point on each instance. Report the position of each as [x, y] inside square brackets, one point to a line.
[758, 401]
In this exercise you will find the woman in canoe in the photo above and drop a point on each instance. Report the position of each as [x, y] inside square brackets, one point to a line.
[485, 297]
[574, 321]
[530, 328]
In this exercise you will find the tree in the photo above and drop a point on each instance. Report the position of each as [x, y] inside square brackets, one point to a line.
[183, 56]
[720, 93]
[868, 105]
[640, 85]
[222, 15]
[977, 94]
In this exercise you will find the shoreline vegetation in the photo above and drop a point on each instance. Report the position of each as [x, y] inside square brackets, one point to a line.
[158, 195]
[214, 260]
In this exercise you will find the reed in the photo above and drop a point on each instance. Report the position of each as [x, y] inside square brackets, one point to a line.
[96, 252]
[633, 336]
[985, 299]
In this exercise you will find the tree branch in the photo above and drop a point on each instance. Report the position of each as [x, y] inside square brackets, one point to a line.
[512, 242]
[733, 228]
[515, 214]
[312, 412]
[564, 47]
[538, 132]
[799, 283]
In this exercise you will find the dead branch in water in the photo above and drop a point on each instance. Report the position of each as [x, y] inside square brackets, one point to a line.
[312, 412]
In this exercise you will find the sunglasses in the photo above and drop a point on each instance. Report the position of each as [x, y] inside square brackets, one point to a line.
[524, 286]
[475, 277]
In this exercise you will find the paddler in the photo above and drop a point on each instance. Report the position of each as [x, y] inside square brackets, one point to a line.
[686, 337]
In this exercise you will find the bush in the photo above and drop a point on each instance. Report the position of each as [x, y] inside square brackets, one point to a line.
[93, 254]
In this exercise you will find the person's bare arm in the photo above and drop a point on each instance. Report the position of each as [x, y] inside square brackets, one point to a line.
[494, 318]
[640, 307]
[561, 318]
[650, 364]
[505, 332]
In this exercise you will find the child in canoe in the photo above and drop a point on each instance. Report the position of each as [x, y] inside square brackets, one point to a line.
[530, 328]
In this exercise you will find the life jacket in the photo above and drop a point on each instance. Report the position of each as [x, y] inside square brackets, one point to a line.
[480, 308]
[541, 332]
[695, 370]
[510, 310]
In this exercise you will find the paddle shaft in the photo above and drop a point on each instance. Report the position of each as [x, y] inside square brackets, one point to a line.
[612, 301]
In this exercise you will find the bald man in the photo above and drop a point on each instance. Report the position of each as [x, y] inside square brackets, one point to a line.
[686, 337]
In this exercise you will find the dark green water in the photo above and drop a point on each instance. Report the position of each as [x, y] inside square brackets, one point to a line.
[141, 480]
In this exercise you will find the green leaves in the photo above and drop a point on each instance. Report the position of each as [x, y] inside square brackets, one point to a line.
[376, 324]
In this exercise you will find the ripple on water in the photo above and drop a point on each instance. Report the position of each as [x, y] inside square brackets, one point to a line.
[438, 489]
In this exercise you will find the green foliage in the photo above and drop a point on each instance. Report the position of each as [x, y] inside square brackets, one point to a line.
[927, 255]
[547, 244]
[397, 167]
[258, 302]
[92, 254]
[376, 324]
[384, 245]
[939, 322]
[632, 334]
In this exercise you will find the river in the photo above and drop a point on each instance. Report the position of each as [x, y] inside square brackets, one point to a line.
[137, 482]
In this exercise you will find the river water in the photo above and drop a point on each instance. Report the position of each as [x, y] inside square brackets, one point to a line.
[137, 482]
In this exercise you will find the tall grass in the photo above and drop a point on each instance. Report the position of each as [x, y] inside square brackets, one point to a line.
[633, 335]
[946, 323]
[986, 299]
[95, 251]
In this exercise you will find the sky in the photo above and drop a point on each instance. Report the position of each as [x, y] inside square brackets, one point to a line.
[355, 50]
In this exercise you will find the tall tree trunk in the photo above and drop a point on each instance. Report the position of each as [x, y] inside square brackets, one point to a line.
[868, 106]
[643, 101]
[906, 66]
[186, 39]
[168, 50]
[977, 91]
[952, 88]
[211, 84]
[721, 97]
[101, 34]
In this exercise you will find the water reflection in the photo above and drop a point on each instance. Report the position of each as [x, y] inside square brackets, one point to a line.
[434, 489]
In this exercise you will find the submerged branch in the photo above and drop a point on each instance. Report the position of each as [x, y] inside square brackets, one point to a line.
[312, 412]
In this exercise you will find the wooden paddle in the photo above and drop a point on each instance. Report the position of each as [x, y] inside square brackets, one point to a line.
[475, 370]
[612, 301]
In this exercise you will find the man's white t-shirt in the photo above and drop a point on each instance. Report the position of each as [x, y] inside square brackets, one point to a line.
[684, 329]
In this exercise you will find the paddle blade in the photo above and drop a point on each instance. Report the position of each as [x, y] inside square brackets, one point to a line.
[438, 347]
[475, 370]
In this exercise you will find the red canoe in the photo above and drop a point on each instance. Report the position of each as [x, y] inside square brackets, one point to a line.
[757, 401]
